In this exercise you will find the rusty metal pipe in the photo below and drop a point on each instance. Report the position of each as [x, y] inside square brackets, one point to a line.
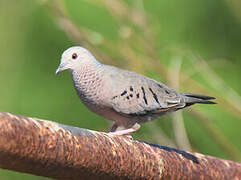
[58, 151]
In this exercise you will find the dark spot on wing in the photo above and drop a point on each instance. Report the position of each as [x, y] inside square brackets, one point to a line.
[114, 97]
[160, 85]
[131, 88]
[123, 93]
[167, 91]
[131, 95]
[137, 95]
[127, 97]
[154, 96]
[144, 95]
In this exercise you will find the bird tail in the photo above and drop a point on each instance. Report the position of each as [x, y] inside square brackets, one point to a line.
[191, 99]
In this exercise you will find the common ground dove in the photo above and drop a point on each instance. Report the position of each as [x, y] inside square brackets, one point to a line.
[125, 97]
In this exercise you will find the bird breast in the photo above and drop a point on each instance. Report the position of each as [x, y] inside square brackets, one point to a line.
[87, 83]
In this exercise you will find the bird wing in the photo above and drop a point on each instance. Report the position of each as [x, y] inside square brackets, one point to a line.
[135, 94]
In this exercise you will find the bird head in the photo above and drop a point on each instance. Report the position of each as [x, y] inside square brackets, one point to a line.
[74, 57]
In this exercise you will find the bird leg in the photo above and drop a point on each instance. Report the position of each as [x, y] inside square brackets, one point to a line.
[125, 131]
[114, 127]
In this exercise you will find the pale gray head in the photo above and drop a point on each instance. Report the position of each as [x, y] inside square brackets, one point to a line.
[74, 57]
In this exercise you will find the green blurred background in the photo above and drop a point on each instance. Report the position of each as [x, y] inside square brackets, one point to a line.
[193, 46]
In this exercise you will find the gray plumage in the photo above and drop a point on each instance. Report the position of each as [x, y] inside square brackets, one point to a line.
[125, 97]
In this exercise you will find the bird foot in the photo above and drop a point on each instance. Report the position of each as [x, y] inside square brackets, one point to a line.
[123, 132]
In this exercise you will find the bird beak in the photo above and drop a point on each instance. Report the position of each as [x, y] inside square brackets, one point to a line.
[57, 71]
[61, 67]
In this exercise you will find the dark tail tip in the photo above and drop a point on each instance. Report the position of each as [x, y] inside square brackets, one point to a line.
[206, 102]
[197, 98]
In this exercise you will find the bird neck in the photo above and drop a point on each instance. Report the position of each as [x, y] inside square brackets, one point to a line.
[86, 79]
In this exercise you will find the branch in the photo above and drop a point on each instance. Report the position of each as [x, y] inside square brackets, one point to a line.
[58, 151]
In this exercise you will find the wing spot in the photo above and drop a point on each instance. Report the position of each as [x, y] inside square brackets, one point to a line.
[160, 85]
[137, 95]
[123, 93]
[131, 88]
[154, 96]
[127, 97]
[114, 97]
[131, 95]
[144, 95]
[168, 92]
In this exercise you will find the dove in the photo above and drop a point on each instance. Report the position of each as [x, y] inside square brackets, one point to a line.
[122, 96]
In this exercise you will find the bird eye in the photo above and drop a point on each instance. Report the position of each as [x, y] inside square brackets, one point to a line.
[74, 56]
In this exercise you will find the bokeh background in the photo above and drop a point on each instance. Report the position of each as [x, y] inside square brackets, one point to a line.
[193, 46]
